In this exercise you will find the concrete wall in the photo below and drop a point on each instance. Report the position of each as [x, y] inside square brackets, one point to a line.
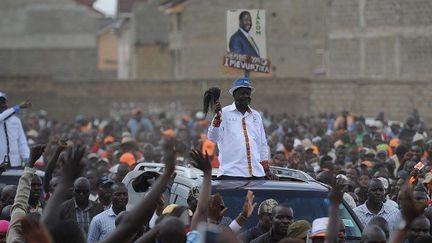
[386, 39]
[296, 96]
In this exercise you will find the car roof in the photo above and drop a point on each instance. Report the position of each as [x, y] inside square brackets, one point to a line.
[20, 172]
[268, 185]
[290, 179]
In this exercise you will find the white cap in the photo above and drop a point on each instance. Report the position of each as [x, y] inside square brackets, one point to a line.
[3, 95]
[319, 227]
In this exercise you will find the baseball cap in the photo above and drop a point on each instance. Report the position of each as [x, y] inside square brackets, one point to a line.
[299, 229]
[367, 163]
[128, 158]
[384, 181]
[319, 227]
[171, 208]
[93, 156]
[267, 206]
[3, 95]
[105, 181]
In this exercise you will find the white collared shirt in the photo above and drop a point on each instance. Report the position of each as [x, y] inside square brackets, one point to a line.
[18, 148]
[391, 214]
[233, 148]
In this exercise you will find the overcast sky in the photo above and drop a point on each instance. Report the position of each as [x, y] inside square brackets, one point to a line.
[108, 7]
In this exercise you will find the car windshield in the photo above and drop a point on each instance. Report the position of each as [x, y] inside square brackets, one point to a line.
[307, 205]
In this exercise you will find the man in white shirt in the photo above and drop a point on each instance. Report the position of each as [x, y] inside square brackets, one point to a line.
[239, 133]
[13, 142]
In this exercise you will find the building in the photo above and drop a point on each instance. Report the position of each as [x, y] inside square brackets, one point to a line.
[51, 37]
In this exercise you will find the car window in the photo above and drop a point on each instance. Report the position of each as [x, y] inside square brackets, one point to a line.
[307, 205]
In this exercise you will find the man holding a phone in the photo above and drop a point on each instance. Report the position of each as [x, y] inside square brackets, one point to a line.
[13, 142]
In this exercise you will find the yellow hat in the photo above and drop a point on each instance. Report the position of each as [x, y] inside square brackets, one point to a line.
[171, 208]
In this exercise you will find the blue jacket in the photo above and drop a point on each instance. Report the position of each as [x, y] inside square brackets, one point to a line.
[240, 44]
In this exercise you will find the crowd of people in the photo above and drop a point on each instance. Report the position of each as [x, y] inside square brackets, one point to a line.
[381, 169]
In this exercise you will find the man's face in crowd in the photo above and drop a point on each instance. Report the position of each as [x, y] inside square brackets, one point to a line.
[364, 180]
[421, 198]
[381, 156]
[82, 191]
[121, 172]
[119, 196]
[137, 115]
[265, 221]
[289, 143]
[246, 22]
[282, 219]
[376, 192]
[420, 227]
[417, 152]
[36, 186]
[105, 192]
[409, 166]
[53, 184]
[8, 194]
[279, 160]
[242, 97]
[351, 174]
[92, 177]
[340, 154]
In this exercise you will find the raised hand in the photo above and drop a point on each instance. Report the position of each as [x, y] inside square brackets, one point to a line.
[25, 104]
[218, 109]
[34, 231]
[72, 166]
[216, 210]
[337, 191]
[170, 154]
[409, 209]
[35, 153]
[249, 205]
[200, 161]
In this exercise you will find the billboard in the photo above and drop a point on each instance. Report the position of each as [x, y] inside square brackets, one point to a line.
[246, 40]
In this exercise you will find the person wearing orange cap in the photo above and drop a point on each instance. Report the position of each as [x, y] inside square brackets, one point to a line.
[129, 159]
[108, 140]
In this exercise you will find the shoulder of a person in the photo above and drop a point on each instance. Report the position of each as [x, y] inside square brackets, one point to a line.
[261, 238]
[391, 208]
[228, 107]
[256, 113]
[359, 207]
[96, 205]
[13, 118]
[98, 216]
[67, 203]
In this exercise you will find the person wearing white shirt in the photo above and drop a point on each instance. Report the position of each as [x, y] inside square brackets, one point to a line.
[13, 142]
[239, 133]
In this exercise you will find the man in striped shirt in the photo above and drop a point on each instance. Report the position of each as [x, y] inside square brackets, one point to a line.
[375, 206]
